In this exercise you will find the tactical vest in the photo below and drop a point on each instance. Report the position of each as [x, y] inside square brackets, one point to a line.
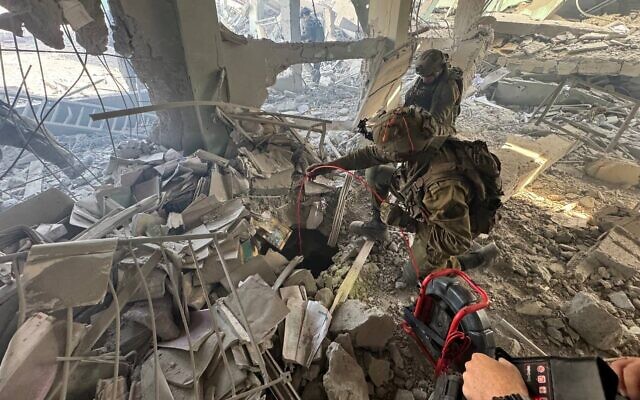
[472, 162]
[407, 131]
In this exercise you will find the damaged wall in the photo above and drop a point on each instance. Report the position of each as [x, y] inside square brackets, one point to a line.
[177, 64]
[43, 18]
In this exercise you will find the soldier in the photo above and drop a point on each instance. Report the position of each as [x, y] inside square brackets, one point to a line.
[312, 31]
[449, 189]
[438, 90]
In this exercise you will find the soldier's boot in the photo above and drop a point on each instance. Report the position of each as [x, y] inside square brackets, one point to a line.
[484, 257]
[375, 229]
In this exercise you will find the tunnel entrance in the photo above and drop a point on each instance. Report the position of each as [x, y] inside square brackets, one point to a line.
[317, 254]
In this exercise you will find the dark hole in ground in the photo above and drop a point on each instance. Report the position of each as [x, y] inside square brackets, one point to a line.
[317, 254]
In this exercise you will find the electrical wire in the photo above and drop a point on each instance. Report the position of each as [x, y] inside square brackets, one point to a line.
[86, 70]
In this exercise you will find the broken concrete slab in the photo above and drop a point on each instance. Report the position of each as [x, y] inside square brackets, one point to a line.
[379, 371]
[52, 273]
[593, 322]
[48, 207]
[303, 277]
[619, 172]
[150, 374]
[534, 309]
[610, 216]
[369, 327]
[521, 92]
[402, 394]
[521, 25]
[523, 160]
[621, 300]
[344, 340]
[620, 251]
[344, 379]
[325, 297]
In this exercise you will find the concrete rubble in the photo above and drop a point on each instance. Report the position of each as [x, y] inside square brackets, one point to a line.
[187, 256]
[208, 294]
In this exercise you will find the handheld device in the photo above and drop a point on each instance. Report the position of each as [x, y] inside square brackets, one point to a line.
[449, 324]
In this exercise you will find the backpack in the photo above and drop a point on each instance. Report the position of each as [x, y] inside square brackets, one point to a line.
[408, 131]
[482, 168]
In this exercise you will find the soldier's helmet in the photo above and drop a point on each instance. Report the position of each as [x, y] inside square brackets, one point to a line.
[431, 62]
[305, 12]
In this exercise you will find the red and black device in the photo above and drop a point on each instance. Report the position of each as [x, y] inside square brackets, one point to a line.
[449, 323]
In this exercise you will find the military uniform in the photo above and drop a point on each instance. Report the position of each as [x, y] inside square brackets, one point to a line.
[437, 204]
[441, 98]
[312, 31]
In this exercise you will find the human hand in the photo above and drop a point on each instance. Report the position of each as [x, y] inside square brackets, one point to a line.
[319, 169]
[486, 378]
[628, 371]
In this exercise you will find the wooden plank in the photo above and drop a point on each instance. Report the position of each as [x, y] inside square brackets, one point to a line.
[352, 276]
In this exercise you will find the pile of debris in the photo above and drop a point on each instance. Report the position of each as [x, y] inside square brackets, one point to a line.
[169, 283]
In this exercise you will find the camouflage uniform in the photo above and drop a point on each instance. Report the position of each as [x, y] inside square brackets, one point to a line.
[436, 204]
[440, 97]
[312, 31]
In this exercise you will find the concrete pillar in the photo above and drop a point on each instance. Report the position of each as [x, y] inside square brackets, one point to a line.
[256, 13]
[470, 42]
[290, 23]
[466, 20]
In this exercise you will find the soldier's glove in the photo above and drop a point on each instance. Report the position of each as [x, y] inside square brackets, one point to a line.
[396, 216]
[319, 169]
[362, 129]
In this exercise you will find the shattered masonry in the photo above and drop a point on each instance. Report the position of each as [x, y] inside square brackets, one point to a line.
[154, 239]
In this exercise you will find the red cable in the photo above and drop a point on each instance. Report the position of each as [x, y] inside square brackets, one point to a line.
[306, 178]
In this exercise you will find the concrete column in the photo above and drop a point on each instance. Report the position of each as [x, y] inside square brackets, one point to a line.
[290, 22]
[470, 42]
[256, 13]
